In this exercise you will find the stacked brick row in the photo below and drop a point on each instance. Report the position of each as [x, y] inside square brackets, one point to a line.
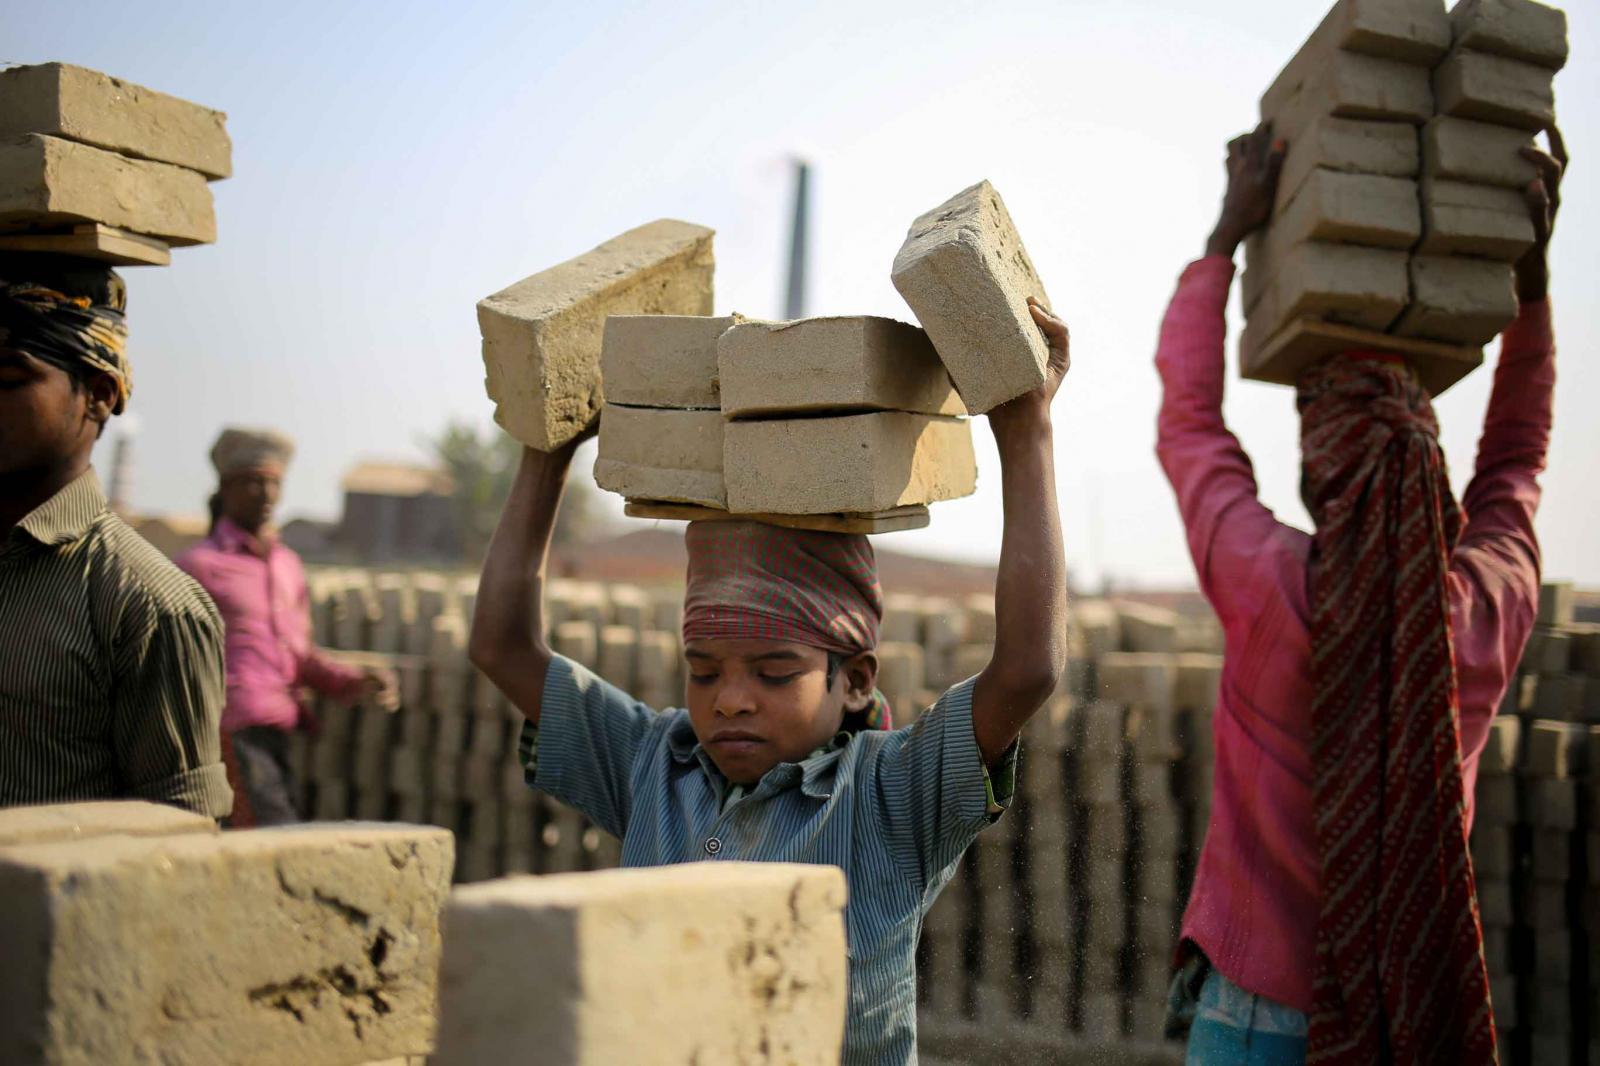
[80, 151]
[1536, 844]
[1062, 919]
[1400, 206]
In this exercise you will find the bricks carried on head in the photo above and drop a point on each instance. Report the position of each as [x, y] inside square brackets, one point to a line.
[1400, 208]
[98, 167]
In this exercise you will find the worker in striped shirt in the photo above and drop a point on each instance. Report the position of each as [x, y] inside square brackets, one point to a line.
[110, 656]
[782, 753]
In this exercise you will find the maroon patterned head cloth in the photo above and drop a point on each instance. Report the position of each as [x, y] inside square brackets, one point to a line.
[751, 581]
[1400, 967]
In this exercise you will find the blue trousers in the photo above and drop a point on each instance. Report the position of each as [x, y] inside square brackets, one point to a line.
[1240, 1028]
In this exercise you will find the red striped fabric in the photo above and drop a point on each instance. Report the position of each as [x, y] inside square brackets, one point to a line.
[1400, 968]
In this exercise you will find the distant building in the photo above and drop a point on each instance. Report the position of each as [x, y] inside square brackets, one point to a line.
[172, 534]
[395, 512]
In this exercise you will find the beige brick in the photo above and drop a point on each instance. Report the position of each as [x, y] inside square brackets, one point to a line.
[1463, 301]
[851, 464]
[49, 823]
[542, 336]
[1557, 604]
[1516, 29]
[1500, 751]
[662, 360]
[315, 944]
[1459, 149]
[1366, 287]
[1198, 679]
[1371, 210]
[1495, 89]
[577, 641]
[47, 182]
[721, 962]
[89, 107]
[1553, 803]
[900, 667]
[1346, 85]
[1347, 144]
[1146, 628]
[619, 654]
[860, 363]
[1557, 749]
[658, 659]
[1481, 220]
[657, 454]
[965, 274]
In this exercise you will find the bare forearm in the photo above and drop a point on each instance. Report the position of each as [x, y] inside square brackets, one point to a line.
[1030, 588]
[507, 626]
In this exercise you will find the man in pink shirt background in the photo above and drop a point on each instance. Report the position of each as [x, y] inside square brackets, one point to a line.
[1250, 931]
[259, 587]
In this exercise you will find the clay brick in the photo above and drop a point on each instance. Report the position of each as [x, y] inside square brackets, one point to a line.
[1346, 85]
[1516, 29]
[542, 336]
[577, 641]
[850, 464]
[1363, 209]
[900, 667]
[657, 454]
[1349, 145]
[1553, 804]
[966, 276]
[1494, 903]
[619, 652]
[1556, 603]
[1415, 31]
[860, 363]
[1494, 89]
[314, 944]
[1496, 801]
[1481, 220]
[1360, 286]
[725, 962]
[1147, 629]
[1550, 855]
[91, 108]
[1500, 751]
[49, 823]
[1460, 300]
[1493, 851]
[1458, 149]
[1557, 749]
[47, 182]
[1197, 682]
[662, 360]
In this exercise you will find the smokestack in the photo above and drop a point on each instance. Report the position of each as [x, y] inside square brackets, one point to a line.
[794, 305]
[121, 487]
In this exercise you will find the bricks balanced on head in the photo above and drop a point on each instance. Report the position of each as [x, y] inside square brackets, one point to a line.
[1400, 205]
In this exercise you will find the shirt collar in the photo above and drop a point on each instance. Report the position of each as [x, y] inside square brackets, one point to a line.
[229, 537]
[66, 516]
[815, 773]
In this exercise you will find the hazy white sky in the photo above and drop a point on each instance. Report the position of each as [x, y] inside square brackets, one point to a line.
[395, 162]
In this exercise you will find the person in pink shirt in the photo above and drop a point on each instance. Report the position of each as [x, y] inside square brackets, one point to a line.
[260, 588]
[1294, 846]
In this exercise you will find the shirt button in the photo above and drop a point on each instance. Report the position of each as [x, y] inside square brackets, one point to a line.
[713, 845]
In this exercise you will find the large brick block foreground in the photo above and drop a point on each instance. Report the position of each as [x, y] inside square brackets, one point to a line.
[80, 821]
[649, 453]
[47, 182]
[705, 962]
[542, 336]
[964, 272]
[310, 945]
[93, 108]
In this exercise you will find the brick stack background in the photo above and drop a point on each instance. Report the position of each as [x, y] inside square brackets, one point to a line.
[1057, 930]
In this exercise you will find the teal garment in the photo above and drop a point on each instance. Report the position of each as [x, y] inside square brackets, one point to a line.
[894, 810]
[1239, 1028]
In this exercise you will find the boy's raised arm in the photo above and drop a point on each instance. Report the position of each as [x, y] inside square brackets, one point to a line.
[1030, 595]
[507, 641]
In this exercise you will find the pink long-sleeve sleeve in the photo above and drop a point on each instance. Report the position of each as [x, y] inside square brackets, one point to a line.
[1225, 523]
[1497, 561]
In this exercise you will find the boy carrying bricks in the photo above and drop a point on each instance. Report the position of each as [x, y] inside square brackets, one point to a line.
[1333, 916]
[784, 752]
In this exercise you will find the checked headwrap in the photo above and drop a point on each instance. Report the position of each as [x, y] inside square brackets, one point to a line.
[70, 332]
[752, 581]
[1400, 967]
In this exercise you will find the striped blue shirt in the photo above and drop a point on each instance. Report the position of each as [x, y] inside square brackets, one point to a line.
[893, 810]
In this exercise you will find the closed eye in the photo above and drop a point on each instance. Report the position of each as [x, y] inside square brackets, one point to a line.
[779, 682]
[702, 679]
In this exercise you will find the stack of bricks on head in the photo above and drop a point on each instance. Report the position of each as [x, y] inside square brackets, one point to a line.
[100, 168]
[842, 416]
[1400, 207]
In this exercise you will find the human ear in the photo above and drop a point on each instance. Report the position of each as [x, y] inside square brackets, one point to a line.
[860, 677]
[102, 390]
